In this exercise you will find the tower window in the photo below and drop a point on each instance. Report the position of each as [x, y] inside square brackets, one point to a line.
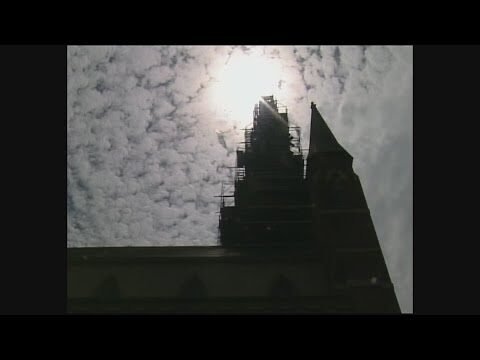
[193, 287]
[282, 288]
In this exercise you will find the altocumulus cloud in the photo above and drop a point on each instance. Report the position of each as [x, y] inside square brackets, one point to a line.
[148, 148]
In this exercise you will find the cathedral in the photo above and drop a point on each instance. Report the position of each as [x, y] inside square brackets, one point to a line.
[295, 236]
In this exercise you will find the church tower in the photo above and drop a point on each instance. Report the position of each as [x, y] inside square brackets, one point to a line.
[324, 211]
[272, 205]
[343, 226]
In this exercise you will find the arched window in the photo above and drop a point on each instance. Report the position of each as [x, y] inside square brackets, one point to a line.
[193, 287]
[282, 288]
[108, 289]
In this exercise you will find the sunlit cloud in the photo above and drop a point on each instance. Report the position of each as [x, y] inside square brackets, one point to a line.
[243, 79]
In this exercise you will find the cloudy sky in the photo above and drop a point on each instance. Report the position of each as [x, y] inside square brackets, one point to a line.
[152, 130]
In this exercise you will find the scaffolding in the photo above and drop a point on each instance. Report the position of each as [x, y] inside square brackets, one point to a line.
[269, 194]
[294, 133]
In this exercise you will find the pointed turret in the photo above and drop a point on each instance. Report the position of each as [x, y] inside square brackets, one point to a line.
[324, 152]
[321, 137]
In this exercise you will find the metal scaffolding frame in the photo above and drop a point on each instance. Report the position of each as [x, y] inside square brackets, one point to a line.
[268, 180]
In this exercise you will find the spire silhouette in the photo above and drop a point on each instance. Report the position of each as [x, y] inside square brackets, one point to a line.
[321, 137]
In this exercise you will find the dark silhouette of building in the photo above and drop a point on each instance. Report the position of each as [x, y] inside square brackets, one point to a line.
[272, 204]
[294, 239]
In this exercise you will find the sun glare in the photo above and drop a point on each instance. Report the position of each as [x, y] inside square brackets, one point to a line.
[241, 83]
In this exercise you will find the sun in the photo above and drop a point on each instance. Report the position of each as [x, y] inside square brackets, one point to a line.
[242, 81]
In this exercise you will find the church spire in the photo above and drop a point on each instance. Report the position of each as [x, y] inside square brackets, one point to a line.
[321, 137]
